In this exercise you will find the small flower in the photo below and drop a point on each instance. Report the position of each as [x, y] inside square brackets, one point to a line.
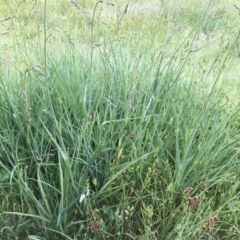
[82, 121]
[211, 221]
[25, 97]
[28, 119]
[203, 184]
[83, 197]
[90, 116]
[95, 226]
[132, 136]
[154, 166]
[187, 190]
[205, 179]
[193, 202]
[44, 111]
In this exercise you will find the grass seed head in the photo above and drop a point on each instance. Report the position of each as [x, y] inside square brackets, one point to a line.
[95, 226]
[193, 202]
[44, 111]
[90, 116]
[187, 190]
[203, 184]
[28, 119]
[211, 221]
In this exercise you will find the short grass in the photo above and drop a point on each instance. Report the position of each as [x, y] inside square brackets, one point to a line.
[119, 120]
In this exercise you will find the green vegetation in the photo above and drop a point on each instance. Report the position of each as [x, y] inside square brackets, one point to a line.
[119, 121]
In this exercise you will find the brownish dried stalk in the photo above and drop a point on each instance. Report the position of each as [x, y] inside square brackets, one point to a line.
[7, 18]
[79, 8]
[4, 33]
[75, 3]
[124, 12]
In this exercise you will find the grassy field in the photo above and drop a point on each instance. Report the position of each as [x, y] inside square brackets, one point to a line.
[120, 120]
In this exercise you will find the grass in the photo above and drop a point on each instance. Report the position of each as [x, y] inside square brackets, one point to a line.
[119, 122]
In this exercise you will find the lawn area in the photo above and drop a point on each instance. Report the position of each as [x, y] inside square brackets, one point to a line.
[120, 120]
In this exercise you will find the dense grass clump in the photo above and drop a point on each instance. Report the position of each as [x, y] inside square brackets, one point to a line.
[116, 142]
[132, 142]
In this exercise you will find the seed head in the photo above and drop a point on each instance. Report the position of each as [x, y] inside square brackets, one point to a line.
[44, 111]
[203, 184]
[193, 202]
[90, 116]
[187, 190]
[132, 136]
[28, 119]
[95, 226]
[125, 10]
[211, 221]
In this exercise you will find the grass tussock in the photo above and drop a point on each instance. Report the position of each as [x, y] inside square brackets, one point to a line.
[120, 134]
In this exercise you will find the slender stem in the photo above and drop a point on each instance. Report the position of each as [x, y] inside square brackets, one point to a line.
[94, 11]
[45, 38]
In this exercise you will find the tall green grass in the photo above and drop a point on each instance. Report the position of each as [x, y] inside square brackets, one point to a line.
[118, 143]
